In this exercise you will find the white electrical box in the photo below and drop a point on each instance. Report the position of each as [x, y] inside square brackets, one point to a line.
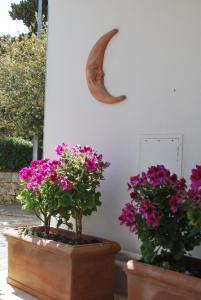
[161, 150]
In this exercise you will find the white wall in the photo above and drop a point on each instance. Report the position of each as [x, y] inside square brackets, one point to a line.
[157, 50]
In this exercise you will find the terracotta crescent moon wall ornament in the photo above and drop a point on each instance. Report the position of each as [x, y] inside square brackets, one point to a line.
[94, 71]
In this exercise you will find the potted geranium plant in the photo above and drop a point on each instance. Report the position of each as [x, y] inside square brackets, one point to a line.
[53, 263]
[166, 216]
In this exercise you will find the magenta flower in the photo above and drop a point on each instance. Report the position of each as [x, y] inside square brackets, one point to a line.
[137, 180]
[66, 184]
[134, 195]
[38, 178]
[35, 163]
[59, 149]
[103, 165]
[54, 178]
[127, 216]
[77, 149]
[181, 184]
[134, 180]
[196, 179]
[91, 165]
[40, 170]
[56, 171]
[26, 173]
[195, 197]
[152, 220]
[32, 185]
[148, 211]
[158, 175]
[174, 203]
[86, 149]
[145, 206]
[174, 178]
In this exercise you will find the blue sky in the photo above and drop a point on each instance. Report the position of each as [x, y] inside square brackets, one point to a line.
[7, 25]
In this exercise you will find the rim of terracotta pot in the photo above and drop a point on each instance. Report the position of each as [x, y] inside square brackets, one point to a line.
[180, 280]
[101, 248]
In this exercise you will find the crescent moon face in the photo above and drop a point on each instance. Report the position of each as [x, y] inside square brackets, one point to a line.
[94, 71]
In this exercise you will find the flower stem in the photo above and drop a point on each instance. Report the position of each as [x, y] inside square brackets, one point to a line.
[78, 224]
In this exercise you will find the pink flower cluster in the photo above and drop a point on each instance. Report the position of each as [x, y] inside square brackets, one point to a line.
[66, 184]
[194, 192]
[137, 180]
[196, 179]
[156, 181]
[41, 171]
[127, 216]
[59, 149]
[55, 171]
[156, 176]
[92, 162]
[78, 150]
[195, 197]
[175, 202]
[148, 211]
[91, 165]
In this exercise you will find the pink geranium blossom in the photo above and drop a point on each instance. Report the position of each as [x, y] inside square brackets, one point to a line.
[148, 211]
[59, 149]
[158, 175]
[26, 173]
[39, 172]
[91, 165]
[127, 216]
[196, 179]
[195, 197]
[66, 184]
[165, 190]
[174, 203]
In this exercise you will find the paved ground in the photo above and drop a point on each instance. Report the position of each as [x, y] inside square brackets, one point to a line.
[12, 216]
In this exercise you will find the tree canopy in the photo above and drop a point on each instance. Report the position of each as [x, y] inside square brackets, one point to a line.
[22, 85]
[26, 11]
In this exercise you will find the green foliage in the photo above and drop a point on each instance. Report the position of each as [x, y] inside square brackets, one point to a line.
[4, 41]
[22, 85]
[14, 154]
[26, 11]
[194, 216]
[45, 204]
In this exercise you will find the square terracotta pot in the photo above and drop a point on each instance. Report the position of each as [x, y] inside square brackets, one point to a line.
[51, 270]
[147, 282]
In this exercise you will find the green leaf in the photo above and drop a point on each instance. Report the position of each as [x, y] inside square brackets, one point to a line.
[65, 200]
[194, 231]
[91, 202]
[194, 215]
[148, 251]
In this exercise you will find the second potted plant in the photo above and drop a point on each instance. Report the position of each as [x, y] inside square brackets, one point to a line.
[166, 216]
[53, 263]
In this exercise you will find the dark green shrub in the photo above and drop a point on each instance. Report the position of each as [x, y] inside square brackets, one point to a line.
[15, 153]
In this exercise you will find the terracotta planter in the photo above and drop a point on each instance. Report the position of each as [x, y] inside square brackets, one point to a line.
[147, 282]
[57, 271]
